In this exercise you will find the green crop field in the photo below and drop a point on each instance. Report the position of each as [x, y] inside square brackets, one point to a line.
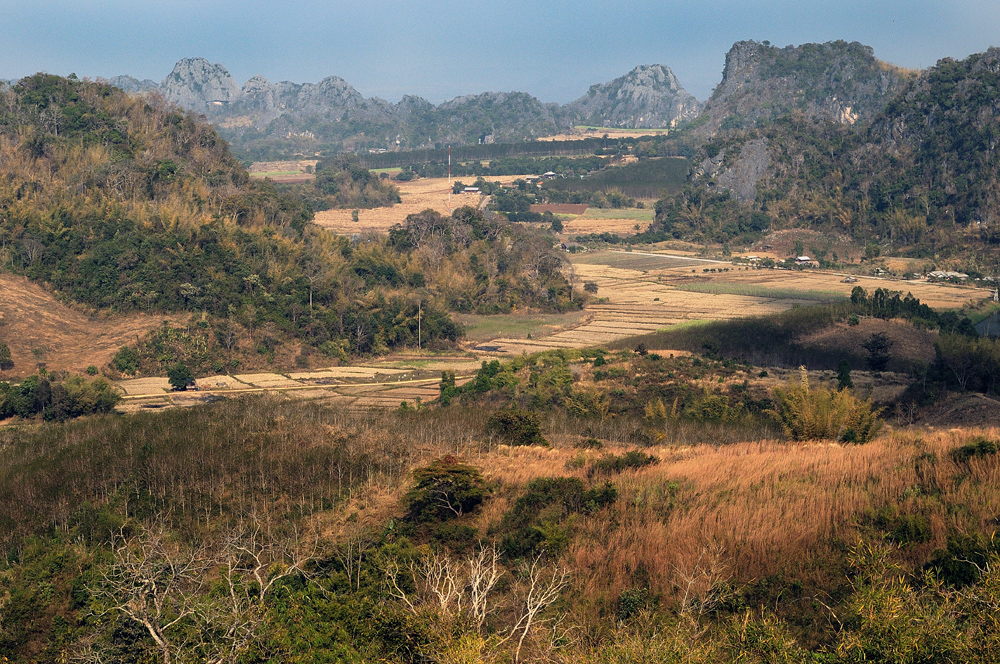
[754, 290]
[648, 178]
[518, 326]
[622, 213]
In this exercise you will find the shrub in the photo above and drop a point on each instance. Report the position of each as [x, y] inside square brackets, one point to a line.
[813, 414]
[978, 447]
[589, 444]
[616, 463]
[517, 427]
[445, 489]
[126, 361]
[92, 370]
[6, 362]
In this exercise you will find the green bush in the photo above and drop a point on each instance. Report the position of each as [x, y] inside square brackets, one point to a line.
[444, 490]
[126, 361]
[616, 463]
[517, 427]
[817, 414]
[978, 447]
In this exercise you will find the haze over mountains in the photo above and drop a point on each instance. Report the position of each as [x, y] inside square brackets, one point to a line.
[838, 81]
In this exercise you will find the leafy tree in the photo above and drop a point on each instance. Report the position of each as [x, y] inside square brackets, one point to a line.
[445, 489]
[179, 377]
[6, 361]
[844, 381]
[878, 346]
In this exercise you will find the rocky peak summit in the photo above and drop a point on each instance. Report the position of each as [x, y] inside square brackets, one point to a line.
[836, 81]
[198, 85]
[649, 96]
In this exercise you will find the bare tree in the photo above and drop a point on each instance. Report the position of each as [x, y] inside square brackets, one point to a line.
[351, 553]
[544, 585]
[154, 582]
[703, 583]
[456, 587]
[253, 559]
[466, 588]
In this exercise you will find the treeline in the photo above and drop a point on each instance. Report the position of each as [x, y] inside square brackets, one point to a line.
[465, 153]
[55, 399]
[646, 178]
[565, 166]
[342, 183]
[680, 143]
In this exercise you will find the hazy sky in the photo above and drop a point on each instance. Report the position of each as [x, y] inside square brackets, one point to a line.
[553, 49]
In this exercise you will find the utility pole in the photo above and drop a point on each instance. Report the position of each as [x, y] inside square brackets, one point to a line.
[449, 181]
[420, 303]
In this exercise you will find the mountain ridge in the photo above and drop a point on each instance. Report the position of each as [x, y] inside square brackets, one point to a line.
[333, 111]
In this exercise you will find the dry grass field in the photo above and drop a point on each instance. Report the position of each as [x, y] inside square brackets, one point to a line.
[417, 196]
[598, 132]
[737, 510]
[41, 329]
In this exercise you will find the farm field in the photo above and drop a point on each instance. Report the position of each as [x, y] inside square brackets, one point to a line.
[597, 132]
[638, 293]
[417, 196]
[645, 292]
[597, 220]
[372, 385]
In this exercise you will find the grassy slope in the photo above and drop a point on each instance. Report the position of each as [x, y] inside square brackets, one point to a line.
[770, 521]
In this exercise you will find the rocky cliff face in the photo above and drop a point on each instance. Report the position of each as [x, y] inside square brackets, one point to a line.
[649, 96]
[200, 86]
[133, 85]
[838, 81]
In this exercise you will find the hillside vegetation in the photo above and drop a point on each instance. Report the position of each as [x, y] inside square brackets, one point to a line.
[263, 530]
[125, 204]
[918, 180]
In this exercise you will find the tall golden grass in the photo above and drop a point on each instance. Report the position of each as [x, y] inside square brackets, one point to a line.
[764, 509]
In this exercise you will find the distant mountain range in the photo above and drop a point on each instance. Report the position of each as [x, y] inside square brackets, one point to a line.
[332, 113]
[838, 81]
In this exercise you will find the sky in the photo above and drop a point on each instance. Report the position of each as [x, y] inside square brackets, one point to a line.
[438, 50]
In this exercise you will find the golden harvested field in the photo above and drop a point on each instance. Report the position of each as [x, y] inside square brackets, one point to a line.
[644, 293]
[417, 195]
[584, 225]
[597, 132]
[40, 328]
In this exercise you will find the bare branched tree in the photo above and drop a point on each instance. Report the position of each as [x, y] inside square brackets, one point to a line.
[703, 583]
[455, 587]
[544, 585]
[155, 582]
[253, 559]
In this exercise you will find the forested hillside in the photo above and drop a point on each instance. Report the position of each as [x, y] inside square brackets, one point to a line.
[920, 179]
[124, 204]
